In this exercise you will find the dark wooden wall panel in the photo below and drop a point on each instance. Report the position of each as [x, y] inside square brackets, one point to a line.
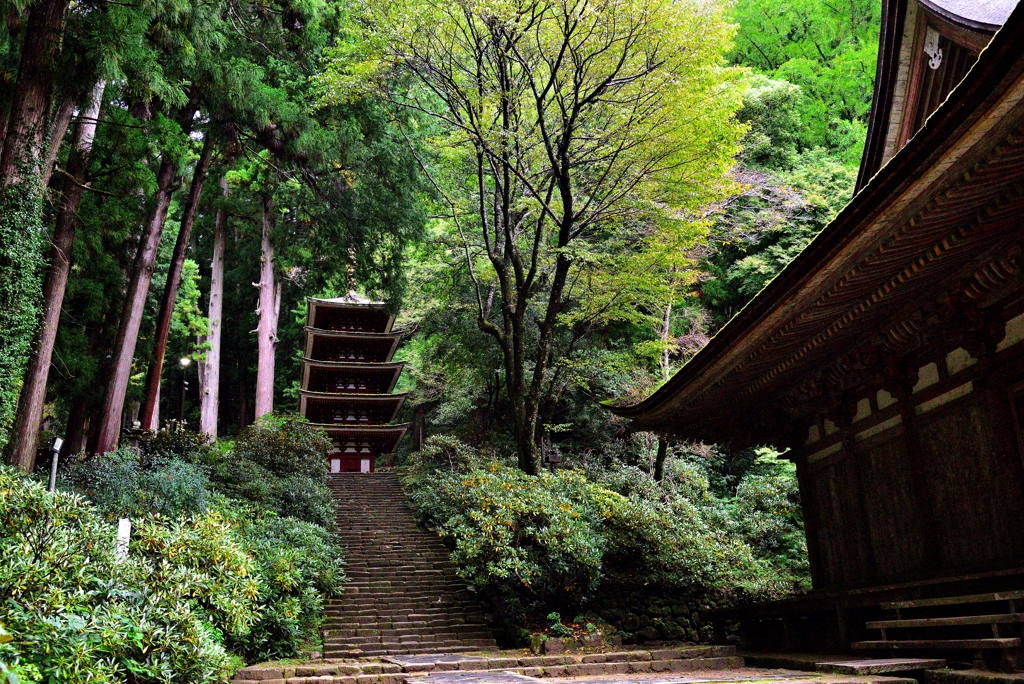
[975, 486]
[852, 489]
[820, 487]
[891, 517]
[843, 537]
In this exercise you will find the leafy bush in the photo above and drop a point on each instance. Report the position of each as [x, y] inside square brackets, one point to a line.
[125, 483]
[281, 465]
[12, 671]
[440, 452]
[768, 515]
[536, 536]
[301, 564]
[180, 444]
[534, 543]
[297, 563]
[79, 614]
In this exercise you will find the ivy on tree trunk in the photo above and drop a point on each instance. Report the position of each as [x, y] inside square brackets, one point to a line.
[21, 450]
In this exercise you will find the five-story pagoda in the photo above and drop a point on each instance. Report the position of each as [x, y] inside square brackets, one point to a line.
[348, 378]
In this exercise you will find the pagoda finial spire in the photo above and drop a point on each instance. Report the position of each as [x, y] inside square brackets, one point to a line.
[351, 269]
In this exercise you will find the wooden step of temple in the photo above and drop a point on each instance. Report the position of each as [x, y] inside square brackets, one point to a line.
[952, 625]
[947, 621]
[955, 600]
[938, 644]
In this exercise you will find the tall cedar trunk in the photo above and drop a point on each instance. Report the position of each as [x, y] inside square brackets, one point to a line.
[659, 460]
[209, 369]
[5, 115]
[163, 319]
[21, 450]
[131, 316]
[58, 128]
[22, 154]
[269, 307]
[74, 435]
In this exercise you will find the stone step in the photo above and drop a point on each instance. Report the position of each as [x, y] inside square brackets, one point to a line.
[397, 670]
[404, 593]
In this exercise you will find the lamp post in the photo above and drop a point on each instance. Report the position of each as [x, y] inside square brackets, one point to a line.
[55, 444]
[184, 361]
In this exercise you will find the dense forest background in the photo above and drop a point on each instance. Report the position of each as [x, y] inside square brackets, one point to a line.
[343, 181]
[809, 74]
[217, 165]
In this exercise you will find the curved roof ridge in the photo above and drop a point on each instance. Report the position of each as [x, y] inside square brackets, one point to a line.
[985, 15]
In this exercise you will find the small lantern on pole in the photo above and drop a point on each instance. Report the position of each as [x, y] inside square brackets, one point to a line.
[184, 361]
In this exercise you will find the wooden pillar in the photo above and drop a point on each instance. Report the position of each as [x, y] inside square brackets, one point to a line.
[809, 504]
[925, 521]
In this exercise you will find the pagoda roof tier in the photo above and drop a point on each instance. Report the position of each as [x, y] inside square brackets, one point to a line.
[330, 345]
[350, 313]
[349, 409]
[350, 378]
[374, 440]
[941, 213]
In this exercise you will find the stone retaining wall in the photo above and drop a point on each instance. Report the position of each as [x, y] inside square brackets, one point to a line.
[648, 614]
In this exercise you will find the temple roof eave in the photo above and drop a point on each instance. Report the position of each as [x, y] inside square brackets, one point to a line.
[355, 365]
[352, 396]
[364, 429]
[393, 433]
[321, 332]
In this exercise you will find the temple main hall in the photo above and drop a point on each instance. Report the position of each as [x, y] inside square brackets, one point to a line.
[887, 362]
[348, 380]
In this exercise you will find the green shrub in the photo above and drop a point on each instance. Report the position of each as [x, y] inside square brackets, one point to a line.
[298, 563]
[533, 543]
[125, 483]
[80, 614]
[12, 670]
[532, 535]
[301, 565]
[768, 516]
[179, 444]
[285, 445]
[281, 465]
[441, 452]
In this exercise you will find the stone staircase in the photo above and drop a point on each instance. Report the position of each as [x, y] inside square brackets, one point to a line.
[494, 668]
[404, 596]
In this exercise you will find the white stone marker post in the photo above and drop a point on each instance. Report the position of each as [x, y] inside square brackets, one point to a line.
[124, 533]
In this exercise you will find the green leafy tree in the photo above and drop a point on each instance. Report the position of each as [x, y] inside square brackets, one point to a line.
[561, 129]
[826, 49]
